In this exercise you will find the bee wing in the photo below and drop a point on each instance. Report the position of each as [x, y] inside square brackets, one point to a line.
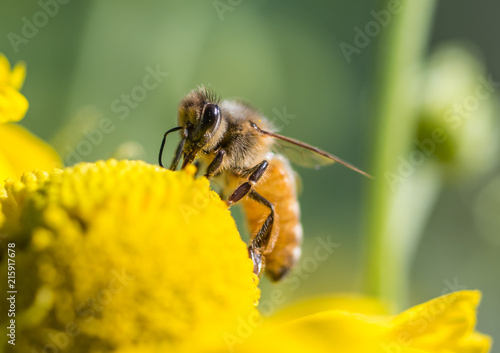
[306, 155]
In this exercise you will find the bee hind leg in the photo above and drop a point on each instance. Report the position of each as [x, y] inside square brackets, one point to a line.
[259, 243]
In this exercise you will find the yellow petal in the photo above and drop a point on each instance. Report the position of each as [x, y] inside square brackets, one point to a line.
[4, 69]
[13, 105]
[21, 151]
[18, 75]
[349, 302]
[444, 325]
[445, 322]
[330, 331]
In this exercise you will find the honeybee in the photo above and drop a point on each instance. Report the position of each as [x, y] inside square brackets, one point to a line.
[233, 143]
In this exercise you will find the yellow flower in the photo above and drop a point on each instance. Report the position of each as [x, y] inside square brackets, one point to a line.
[113, 255]
[129, 257]
[20, 151]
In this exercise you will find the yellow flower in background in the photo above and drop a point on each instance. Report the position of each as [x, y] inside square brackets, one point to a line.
[129, 257]
[20, 150]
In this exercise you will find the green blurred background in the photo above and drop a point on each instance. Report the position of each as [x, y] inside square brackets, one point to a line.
[282, 56]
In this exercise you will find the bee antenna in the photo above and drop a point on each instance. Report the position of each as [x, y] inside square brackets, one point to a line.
[163, 144]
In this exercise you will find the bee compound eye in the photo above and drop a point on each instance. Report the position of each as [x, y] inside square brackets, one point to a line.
[210, 118]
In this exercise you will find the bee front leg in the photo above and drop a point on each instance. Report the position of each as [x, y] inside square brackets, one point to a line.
[259, 243]
[215, 164]
[242, 190]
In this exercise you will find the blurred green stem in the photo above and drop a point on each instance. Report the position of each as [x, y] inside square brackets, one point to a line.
[395, 108]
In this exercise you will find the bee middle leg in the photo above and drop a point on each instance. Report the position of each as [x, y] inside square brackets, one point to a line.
[242, 190]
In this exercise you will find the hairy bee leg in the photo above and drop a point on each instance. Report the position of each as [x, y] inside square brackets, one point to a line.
[215, 164]
[260, 242]
[242, 190]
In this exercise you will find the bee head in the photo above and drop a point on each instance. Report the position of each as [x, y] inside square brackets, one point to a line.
[200, 117]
